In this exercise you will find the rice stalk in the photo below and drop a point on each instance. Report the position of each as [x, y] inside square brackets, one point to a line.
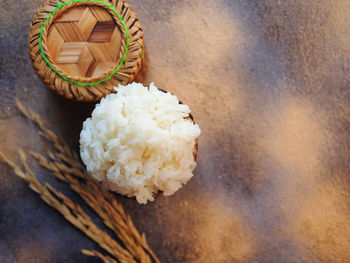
[65, 165]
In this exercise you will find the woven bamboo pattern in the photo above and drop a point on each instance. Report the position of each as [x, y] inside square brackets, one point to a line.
[85, 42]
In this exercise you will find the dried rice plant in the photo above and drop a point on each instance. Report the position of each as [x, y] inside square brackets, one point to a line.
[66, 166]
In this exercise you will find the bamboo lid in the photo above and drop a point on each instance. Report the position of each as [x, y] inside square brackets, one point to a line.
[83, 48]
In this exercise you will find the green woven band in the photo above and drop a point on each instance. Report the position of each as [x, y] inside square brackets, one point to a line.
[58, 7]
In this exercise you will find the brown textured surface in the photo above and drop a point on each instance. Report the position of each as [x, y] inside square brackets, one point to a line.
[84, 41]
[73, 39]
[268, 83]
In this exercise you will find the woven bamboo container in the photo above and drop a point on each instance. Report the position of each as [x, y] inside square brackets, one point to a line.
[81, 49]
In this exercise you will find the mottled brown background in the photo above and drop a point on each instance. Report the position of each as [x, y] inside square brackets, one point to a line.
[268, 82]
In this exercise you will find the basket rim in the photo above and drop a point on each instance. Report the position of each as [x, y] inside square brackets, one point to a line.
[83, 81]
[133, 69]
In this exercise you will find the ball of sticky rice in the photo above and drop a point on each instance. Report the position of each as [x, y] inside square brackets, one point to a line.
[139, 141]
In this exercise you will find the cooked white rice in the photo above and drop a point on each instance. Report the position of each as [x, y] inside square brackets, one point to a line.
[138, 142]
